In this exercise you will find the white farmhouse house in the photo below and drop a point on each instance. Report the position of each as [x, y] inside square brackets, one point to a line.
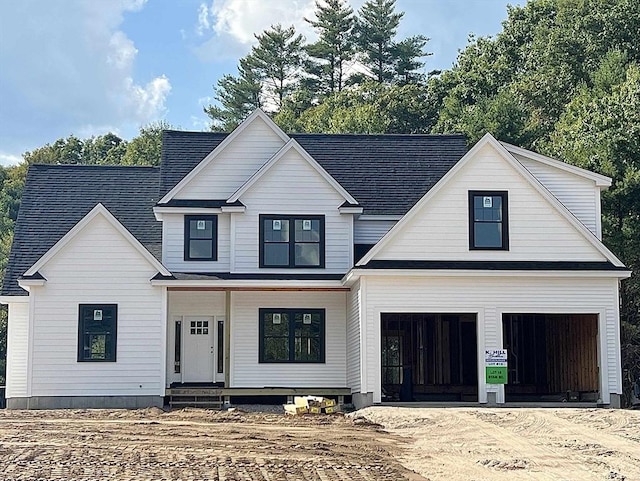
[378, 267]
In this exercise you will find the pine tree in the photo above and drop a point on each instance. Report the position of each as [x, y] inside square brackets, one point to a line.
[376, 27]
[335, 46]
[238, 97]
[276, 61]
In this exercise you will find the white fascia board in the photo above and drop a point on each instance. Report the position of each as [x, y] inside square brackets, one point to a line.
[258, 113]
[350, 210]
[159, 211]
[600, 180]
[292, 144]
[528, 176]
[14, 299]
[99, 209]
[25, 283]
[355, 274]
[233, 208]
[261, 283]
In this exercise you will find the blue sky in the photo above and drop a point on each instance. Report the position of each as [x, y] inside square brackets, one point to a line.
[87, 67]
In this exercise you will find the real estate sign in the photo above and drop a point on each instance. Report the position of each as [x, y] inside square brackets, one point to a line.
[495, 362]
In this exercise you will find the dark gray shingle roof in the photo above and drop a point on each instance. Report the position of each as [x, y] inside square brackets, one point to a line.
[387, 174]
[56, 197]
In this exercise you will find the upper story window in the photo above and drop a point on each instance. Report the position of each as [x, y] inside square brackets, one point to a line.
[200, 237]
[488, 221]
[97, 327]
[291, 241]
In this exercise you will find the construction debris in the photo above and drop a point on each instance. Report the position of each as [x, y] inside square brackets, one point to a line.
[312, 405]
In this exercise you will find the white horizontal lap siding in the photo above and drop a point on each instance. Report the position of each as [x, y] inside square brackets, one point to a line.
[184, 304]
[440, 230]
[255, 145]
[17, 349]
[371, 231]
[491, 296]
[246, 371]
[173, 240]
[353, 338]
[578, 194]
[292, 187]
[81, 273]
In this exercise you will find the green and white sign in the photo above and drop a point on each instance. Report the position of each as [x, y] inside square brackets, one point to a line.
[495, 362]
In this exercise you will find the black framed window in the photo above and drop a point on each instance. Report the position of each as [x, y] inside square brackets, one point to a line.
[488, 220]
[292, 335]
[291, 241]
[200, 237]
[97, 332]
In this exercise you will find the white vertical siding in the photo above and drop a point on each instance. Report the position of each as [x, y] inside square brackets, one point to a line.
[353, 338]
[173, 242]
[246, 371]
[578, 194]
[98, 266]
[440, 230]
[371, 231]
[292, 187]
[235, 164]
[17, 349]
[490, 297]
[181, 304]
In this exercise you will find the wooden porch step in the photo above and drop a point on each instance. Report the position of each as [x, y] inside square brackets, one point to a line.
[208, 400]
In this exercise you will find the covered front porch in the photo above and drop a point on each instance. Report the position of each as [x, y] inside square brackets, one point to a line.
[235, 342]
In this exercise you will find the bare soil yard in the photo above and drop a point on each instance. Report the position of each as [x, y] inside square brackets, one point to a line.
[416, 444]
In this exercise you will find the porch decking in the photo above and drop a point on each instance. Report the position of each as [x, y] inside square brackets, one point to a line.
[216, 397]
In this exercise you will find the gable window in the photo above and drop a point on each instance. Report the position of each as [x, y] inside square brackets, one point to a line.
[292, 335]
[200, 237]
[291, 241]
[97, 328]
[488, 221]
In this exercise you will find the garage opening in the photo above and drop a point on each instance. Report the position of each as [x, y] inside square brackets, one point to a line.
[551, 357]
[429, 357]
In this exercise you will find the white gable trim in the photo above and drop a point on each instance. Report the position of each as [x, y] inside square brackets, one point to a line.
[489, 139]
[600, 180]
[292, 144]
[99, 209]
[223, 145]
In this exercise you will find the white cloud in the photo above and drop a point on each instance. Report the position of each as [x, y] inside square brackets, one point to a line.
[9, 159]
[231, 24]
[68, 67]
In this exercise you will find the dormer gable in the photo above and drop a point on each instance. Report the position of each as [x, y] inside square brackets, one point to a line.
[232, 162]
[293, 150]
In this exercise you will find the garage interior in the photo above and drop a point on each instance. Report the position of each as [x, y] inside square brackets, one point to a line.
[429, 357]
[551, 357]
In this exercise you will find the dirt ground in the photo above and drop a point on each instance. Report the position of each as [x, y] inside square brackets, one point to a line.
[381, 444]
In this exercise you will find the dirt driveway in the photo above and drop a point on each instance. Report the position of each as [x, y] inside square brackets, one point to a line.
[416, 444]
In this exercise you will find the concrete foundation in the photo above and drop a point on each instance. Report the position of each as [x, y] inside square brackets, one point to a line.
[362, 400]
[616, 401]
[85, 402]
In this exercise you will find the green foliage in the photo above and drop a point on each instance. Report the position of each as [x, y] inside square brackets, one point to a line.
[146, 148]
[367, 109]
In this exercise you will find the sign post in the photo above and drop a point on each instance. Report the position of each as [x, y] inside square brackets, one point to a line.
[495, 362]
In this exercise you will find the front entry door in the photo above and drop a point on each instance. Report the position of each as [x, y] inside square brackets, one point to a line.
[199, 349]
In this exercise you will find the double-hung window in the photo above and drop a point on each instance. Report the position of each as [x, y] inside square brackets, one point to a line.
[291, 241]
[488, 221]
[97, 329]
[292, 335]
[200, 237]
